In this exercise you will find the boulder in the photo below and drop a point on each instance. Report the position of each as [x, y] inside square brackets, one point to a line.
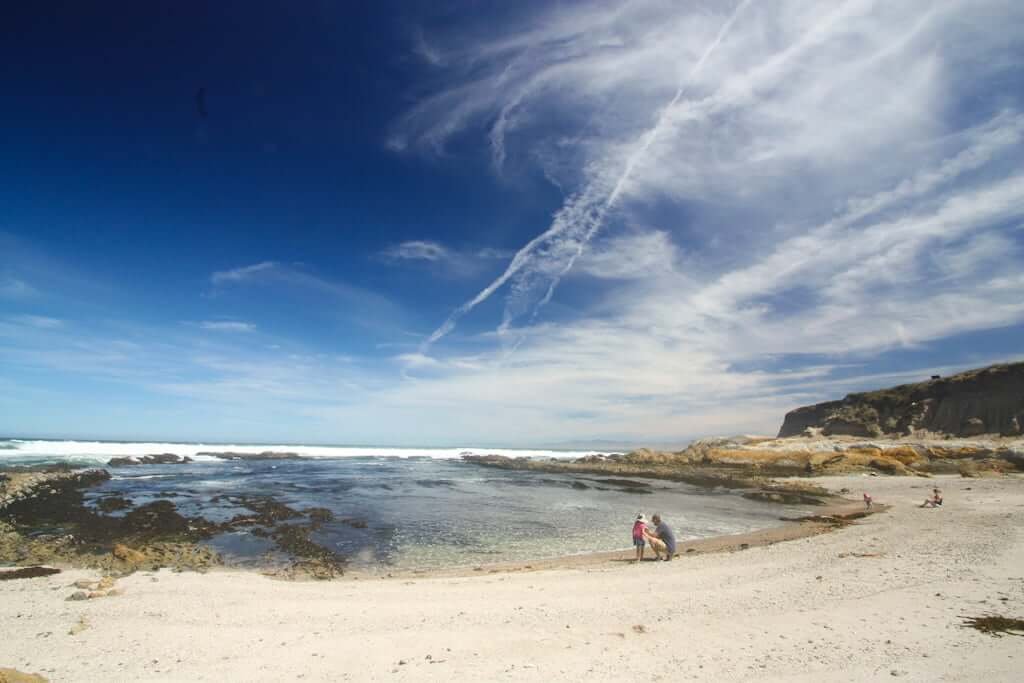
[973, 426]
[129, 555]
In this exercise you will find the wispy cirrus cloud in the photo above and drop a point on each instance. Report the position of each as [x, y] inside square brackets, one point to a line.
[227, 326]
[357, 304]
[417, 250]
[829, 180]
[246, 273]
[444, 260]
[745, 105]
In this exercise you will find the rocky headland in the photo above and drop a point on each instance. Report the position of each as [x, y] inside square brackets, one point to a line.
[987, 400]
[967, 424]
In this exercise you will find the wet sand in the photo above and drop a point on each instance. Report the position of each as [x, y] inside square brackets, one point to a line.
[883, 597]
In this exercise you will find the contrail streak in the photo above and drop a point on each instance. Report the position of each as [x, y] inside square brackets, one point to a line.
[584, 212]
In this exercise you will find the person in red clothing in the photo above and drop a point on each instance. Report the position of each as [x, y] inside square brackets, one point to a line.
[639, 536]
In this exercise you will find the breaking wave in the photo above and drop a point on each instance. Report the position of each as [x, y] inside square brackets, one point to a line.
[101, 451]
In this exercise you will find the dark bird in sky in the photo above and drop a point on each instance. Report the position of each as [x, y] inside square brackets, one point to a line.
[201, 102]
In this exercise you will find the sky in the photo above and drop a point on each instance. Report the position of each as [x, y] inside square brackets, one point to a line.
[518, 224]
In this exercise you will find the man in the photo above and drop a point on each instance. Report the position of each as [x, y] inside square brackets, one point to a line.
[662, 539]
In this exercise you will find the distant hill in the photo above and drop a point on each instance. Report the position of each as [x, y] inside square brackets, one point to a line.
[987, 400]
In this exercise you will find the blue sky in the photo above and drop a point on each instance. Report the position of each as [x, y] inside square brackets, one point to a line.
[533, 224]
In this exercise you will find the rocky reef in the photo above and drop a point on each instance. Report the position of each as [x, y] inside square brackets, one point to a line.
[750, 463]
[683, 466]
[44, 519]
[155, 459]
[265, 455]
[175, 459]
[987, 400]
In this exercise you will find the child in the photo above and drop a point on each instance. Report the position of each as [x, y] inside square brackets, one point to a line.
[639, 533]
[867, 500]
[933, 502]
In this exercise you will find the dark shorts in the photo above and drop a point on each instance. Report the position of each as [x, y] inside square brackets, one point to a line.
[638, 542]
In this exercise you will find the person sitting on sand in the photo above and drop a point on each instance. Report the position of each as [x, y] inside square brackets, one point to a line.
[933, 502]
[867, 500]
[639, 536]
[662, 539]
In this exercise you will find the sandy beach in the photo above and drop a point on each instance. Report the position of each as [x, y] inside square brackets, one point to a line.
[884, 597]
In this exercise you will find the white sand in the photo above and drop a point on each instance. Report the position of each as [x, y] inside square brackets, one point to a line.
[793, 611]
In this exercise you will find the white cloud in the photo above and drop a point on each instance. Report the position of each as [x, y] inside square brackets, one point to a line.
[227, 326]
[416, 250]
[244, 273]
[444, 261]
[642, 254]
[425, 51]
[38, 321]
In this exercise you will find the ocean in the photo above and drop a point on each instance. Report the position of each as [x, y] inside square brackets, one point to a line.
[407, 508]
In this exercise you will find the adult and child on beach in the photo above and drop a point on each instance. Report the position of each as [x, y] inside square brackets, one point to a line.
[661, 538]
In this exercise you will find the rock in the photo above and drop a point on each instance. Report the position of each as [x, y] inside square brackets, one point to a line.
[79, 595]
[113, 503]
[973, 426]
[28, 573]
[15, 676]
[836, 426]
[156, 459]
[265, 455]
[355, 523]
[319, 516]
[129, 555]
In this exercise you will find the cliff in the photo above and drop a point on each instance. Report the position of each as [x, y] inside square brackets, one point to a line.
[987, 400]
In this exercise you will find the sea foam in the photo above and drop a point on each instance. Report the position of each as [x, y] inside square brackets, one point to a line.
[101, 451]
